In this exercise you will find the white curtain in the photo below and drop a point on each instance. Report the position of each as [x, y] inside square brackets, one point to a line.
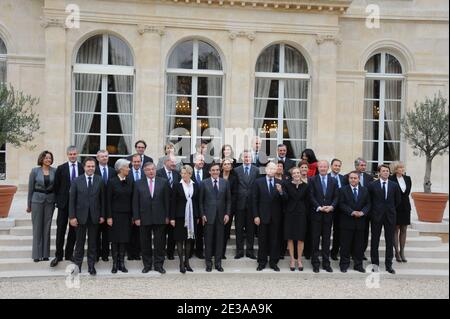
[2, 71]
[171, 103]
[121, 55]
[90, 52]
[368, 133]
[392, 115]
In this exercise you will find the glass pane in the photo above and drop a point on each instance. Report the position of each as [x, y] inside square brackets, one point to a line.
[87, 102]
[374, 64]
[392, 131]
[88, 82]
[392, 65]
[371, 110]
[266, 108]
[372, 168]
[2, 71]
[269, 60]
[371, 130]
[120, 103]
[370, 151]
[182, 145]
[87, 123]
[120, 83]
[266, 88]
[3, 147]
[118, 52]
[214, 146]
[179, 105]
[294, 129]
[2, 47]
[90, 51]
[294, 148]
[209, 127]
[116, 145]
[267, 128]
[294, 61]
[181, 57]
[180, 126]
[208, 57]
[372, 89]
[394, 89]
[209, 106]
[392, 111]
[2, 165]
[391, 151]
[211, 86]
[179, 84]
[91, 144]
[295, 109]
[119, 124]
[296, 89]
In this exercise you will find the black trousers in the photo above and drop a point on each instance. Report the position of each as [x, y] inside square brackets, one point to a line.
[226, 235]
[103, 241]
[61, 226]
[150, 254]
[245, 230]
[389, 230]
[170, 246]
[214, 235]
[134, 245]
[352, 244]
[366, 233]
[199, 233]
[336, 233]
[92, 232]
[269, 243]
[321, 228]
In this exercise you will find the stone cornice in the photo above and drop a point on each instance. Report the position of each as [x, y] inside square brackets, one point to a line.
[143, 28]
[47, 22]
[321, 38]
[244, 34]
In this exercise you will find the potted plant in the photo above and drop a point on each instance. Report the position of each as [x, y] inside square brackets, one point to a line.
[426, 129]
[18, 123]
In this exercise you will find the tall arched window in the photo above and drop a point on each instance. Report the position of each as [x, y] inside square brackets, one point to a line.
[281, 99]
[2, 81]
[194, 95]
[103, 84]
[383, 96]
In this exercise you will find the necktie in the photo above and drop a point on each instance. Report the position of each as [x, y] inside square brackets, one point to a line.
[256, 157]
[142, 160]
[246, 170]
[151, 187]
[324, 186]
[89, 183]
[216, 189]
[198, 177]
[272, 190]
[361, 179]
[384, 190]
[105, 177]
[136, 176]
[74, 174]
[169, 174]
[338, 181]
[355, 194]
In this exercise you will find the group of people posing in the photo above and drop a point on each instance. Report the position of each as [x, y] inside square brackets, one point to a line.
[149, 211]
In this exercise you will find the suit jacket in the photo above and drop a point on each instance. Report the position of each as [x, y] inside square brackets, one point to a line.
[367, 179]
[63, 182]
[36, 183]
[146, 159]
[82, 202]
[288, 164]
[151, 210]
[178, 201]
[233, 180]
[268, 207]
[176, 177]
[317, 198]
[245, 186]
[119, 197]
[295, 199]
[384, 207]
[215, 207]
[205, 175]
[130, 176]
[262, 161]
[341, 179]
[405, 204]
[347, 205]
[111, 173]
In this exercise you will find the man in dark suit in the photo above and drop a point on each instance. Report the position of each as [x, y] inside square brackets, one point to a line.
[215, 210]
[245, 226]
[169, 172]
[267, 210]
[385, 196]
[151, 204]
[199, 174]
[86, 212]
[324, 195]
[135, 175]
[65, 174]
[354, 206]
[106, 173]
[259, 156]
[140, 147]
[336, 165]
[288, 163]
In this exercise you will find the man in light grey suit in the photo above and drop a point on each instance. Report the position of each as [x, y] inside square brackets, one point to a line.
[86, 212]
[215, 210]
[247, 174]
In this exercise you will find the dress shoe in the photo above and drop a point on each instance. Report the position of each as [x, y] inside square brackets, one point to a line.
[114, 268]
[170, 257]
[292, 268]
[300, 268]
[55, 262]
[275, 267]
[251, 255]
[260, 267]
[161, 270]
[360, 269]
[398, 258]
[208, 268]
[219, 268]
[146, 270]
[182, 269]
[130, 258]
[105, 258]
[390, 270]
[137, 258]
[344, 270]
[123, 268]
[188, 267]
[200, 255]
[316, 269]
[328, 269]
[69, 258]
[238, 256]
[36, 260]
[92, 271]
[364, 257]
[45, 259]
[402, 255]
[334, 257]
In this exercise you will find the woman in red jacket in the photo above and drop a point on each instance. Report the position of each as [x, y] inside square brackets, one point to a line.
[309, 156]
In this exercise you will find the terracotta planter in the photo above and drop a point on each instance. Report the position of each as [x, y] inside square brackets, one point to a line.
[6, 197]
[430, 207]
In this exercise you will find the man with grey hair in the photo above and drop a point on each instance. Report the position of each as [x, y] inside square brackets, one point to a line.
[65, 174]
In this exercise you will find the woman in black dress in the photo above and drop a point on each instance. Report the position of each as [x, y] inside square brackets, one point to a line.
[227, 152]
[403, 210]
[295, 197]
[304, 168]
[119, 212]
[184, 215]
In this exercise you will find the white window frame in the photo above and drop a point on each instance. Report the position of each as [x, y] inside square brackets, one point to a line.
[194, 73]
[281, 76]
[104, 70]
[382, 77]
[3, 59]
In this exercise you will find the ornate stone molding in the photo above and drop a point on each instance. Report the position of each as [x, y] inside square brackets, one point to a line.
[52, 22]
[143, 28]
[251, 35]
[321, 38]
